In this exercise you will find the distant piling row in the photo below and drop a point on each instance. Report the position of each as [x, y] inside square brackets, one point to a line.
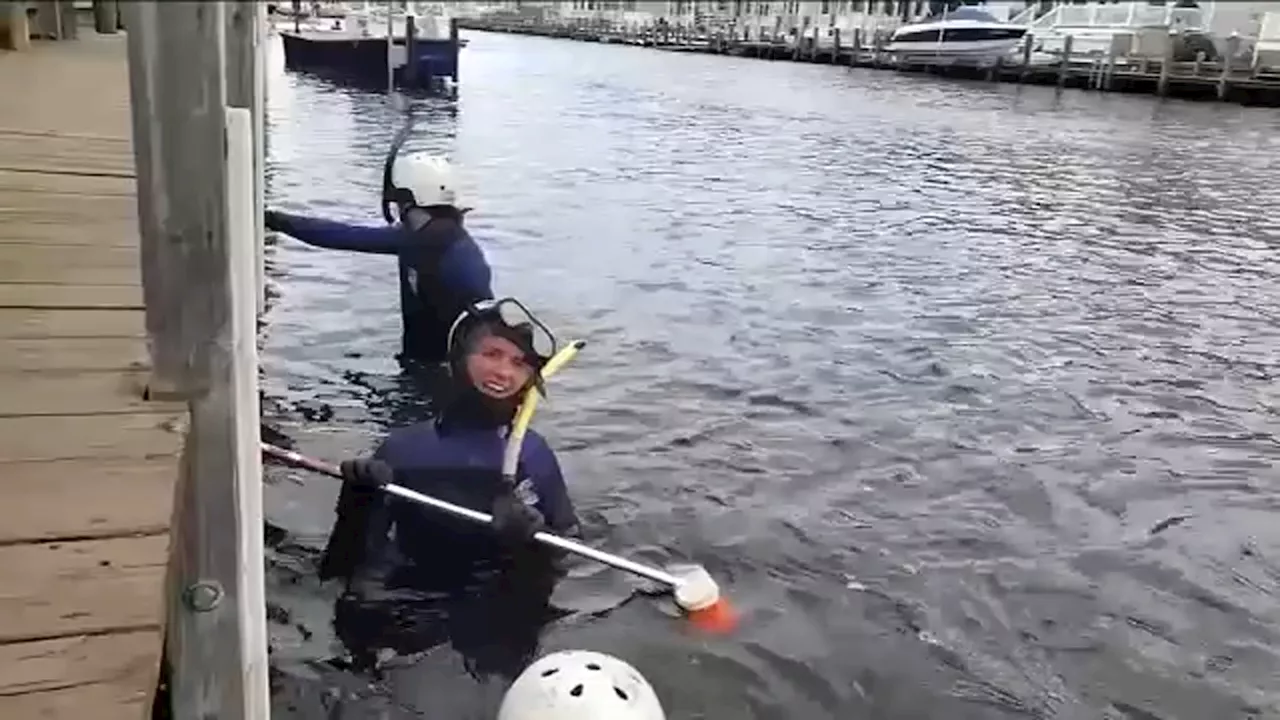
[1162, 76]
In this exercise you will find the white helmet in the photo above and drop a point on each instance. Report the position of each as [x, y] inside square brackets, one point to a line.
[580, 685]
[427, 179]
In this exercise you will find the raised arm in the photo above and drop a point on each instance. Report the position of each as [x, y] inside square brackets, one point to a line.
[334, 235]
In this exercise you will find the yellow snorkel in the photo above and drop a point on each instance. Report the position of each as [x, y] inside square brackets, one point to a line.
[524, 416]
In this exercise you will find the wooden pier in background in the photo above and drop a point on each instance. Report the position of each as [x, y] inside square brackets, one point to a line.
[88, 468]
[1161, 76]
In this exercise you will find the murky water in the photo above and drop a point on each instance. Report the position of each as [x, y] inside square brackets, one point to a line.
[966, 391]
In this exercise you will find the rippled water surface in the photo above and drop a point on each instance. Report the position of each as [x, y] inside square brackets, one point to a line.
[966, 391]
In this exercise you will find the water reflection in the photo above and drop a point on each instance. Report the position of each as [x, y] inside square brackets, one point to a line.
[921, 369]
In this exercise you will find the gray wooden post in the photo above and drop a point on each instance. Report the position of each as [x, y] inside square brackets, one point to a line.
[193, 285]
[68, 21]
[106, 16]
[17, 35]
[245, 89]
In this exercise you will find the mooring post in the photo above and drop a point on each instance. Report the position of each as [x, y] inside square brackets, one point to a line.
[1027, 48]
[1064, 62]
[410, 51]
[455, 47]
[68, 21]
[17, 30]
[1224, 77]
[106, 16]
[196, 268]
[244, 50]
[261, 30]
[1166, 64]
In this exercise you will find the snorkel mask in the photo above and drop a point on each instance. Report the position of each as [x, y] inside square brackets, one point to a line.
[510, 319]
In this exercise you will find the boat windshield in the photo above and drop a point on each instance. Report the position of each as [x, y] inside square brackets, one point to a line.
[970, 14]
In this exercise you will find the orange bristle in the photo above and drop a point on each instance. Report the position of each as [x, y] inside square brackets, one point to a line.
[719, 617]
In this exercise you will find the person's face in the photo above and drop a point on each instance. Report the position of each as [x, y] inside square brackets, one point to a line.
[498, 367]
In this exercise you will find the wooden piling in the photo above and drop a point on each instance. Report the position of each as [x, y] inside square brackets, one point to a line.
[855, 56]
[244, 486]
[17, 30]
[453, 38]
[246, 82]
[1109, 72]
[1166, 66]
[835, 47]
[196, 263]
[261, 28]
[410, 51]
[1024, 70]
[1224, 78]
[1064, 62]
[106, 16]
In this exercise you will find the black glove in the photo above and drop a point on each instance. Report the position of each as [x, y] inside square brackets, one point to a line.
[367, 473]
[514, 521]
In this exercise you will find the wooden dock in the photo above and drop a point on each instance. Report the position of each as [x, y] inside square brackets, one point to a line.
[1152, 76]
[88, 468]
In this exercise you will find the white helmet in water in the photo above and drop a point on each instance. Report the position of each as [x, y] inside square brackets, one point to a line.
[580, 685]
[424, 180]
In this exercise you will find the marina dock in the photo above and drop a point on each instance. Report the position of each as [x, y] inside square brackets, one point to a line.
[130, 476]
[1161, 76]
[89, 466]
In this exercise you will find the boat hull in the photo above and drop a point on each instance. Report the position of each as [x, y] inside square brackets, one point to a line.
[939, 42]
[366, 58]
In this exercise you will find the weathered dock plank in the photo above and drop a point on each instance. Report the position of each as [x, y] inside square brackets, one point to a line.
[78, 392]
[54, 354]
[63, 677]
[80, 154]
[79, 88]
[59, 203]
[46, 293]
[90, 186]
[141, 436]
[54, 589]
[48, 322]
[84, 497]
[88, 468]
[88, 267]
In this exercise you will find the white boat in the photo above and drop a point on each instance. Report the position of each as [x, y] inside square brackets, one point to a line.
[965, 35]
[1103, 29]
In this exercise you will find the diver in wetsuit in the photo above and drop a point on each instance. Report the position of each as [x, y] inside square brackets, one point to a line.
[442, 269]
[485, 590]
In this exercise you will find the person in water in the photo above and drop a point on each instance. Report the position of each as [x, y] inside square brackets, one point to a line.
[442, 269]
[485, 589]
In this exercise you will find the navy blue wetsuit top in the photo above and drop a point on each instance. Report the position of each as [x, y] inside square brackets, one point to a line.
[442, 270]
[463, 466]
